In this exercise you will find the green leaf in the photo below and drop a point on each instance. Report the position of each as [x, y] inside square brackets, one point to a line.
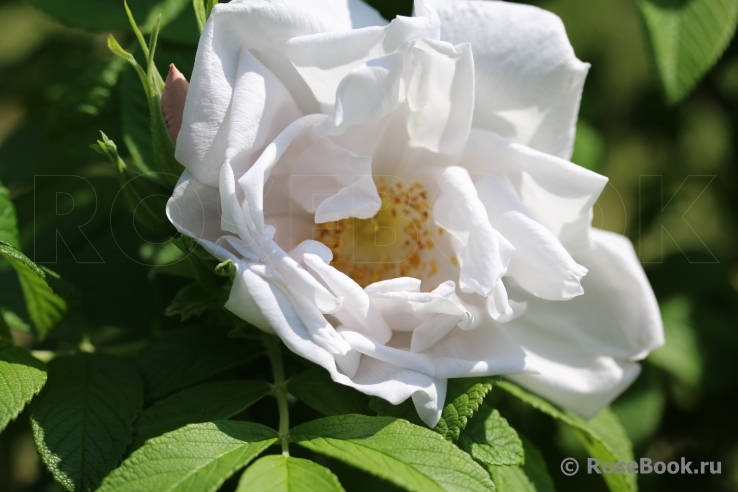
[84, 106]
[198, 457]
[687, 37]
[110, 15]
[535, 468]
[490, 439]
[8, 221]
[407, 455]
[465, 395]
[405, 410]
[287, 474]
[680, 356]
[317, 390]
[40, 288]
[189, 355]
[218, 400]
[603, 436]
[194, 299]
[511, 479]
[21, 377]
[82, 421]
[640, 408]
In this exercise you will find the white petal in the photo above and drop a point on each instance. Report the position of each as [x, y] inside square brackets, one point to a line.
[528, 80]
[373, 377]
[540, 264]
[593, 337]
[555, 192]
[234, 107]
[312, 247]
[241, 302]
[320, 330]
[429, 404]
[334, 183]
[399, 284]
[253, 181]
[366, 94]
[356, 307]
[482, 252]
[323, 60]
[193, 209]
[397, 357]
[440, 97]
[584, 386]
[483, 351]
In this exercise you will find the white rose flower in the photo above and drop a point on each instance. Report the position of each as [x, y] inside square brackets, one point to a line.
[398, 201]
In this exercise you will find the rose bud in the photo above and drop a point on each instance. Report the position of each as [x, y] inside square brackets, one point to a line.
[173, 100]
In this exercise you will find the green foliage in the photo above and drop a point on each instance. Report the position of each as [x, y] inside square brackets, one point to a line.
[407, 455]
[317, 390]
[464, 398]
[207, 402]
[687, 38]
[194, 299]
[196, 457]
[603, 436]
[152, 83]
[8, 221]
[82, 420]
[189, 355]
[21, 377]
[491, 440]
[287, 474]
[44, 291]
[535, 468]
[109, 15]
[680, 356]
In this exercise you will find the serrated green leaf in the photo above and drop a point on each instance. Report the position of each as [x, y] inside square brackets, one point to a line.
[8, 221]
[194, 299]
[530, 477]
[602, 436]
[218, 400]
[407, 455]
[489, 439]
[687, 37]
[21, 377]
[198, 457]
[82, 421]
[40, 288]
[287, 474]
[189, 355]
[465, 395]
[317, 390]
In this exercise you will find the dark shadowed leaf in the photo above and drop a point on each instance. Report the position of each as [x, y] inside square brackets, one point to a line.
[187, 356]
[218, 400]
[82, 421]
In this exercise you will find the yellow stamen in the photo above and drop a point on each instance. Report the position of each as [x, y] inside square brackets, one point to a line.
[396, 242]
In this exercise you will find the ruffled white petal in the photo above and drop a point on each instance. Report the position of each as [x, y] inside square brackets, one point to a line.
[590, 340]
[529, 83]
[555, 192]
[482, 252]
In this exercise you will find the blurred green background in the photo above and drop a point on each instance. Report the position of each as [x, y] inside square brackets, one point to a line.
[673, 190]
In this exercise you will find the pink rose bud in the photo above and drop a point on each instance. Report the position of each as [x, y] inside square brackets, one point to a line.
[173, 100]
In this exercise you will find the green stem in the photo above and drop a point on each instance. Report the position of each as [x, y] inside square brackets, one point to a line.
[279, 392]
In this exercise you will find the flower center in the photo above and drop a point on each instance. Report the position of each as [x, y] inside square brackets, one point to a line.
[396, 242]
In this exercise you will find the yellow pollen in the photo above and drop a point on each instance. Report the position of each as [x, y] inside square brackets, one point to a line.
[396, 242]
